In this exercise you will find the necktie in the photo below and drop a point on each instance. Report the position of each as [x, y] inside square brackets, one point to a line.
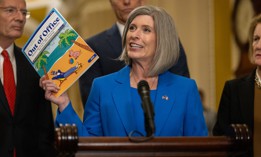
[9, 82]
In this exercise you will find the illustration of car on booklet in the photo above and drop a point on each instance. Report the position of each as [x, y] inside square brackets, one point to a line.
[56, 50]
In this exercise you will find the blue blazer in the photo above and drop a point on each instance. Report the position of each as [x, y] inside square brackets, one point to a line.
[108, 111]
[108, 46]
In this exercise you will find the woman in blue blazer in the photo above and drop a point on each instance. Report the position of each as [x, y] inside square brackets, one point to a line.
[151, 47]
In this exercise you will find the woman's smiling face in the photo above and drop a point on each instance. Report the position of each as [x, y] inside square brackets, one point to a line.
[141, 39]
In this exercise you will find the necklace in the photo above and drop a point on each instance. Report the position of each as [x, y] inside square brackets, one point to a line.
[135, 80]
[258, 81]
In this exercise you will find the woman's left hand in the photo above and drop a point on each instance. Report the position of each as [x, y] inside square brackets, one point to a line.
[50, 88]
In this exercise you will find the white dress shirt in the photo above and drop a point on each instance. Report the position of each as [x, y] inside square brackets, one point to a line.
[10, 51]
[120, 27]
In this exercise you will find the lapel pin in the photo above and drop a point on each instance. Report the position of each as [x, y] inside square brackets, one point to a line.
[164, 97]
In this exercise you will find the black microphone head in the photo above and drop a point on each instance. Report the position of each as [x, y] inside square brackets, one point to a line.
[143, 86]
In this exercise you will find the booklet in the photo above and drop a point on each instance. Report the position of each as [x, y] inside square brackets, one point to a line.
[56, 50]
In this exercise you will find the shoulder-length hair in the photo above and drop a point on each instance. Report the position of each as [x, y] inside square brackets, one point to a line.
[256, 20]
[167, 45]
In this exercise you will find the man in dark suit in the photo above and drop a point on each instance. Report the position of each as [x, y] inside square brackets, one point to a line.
[108, 46]
[28, 130]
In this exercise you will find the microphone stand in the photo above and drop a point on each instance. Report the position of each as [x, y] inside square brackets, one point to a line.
[144, 91]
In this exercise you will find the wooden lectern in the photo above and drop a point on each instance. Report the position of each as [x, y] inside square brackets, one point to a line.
[70, 145]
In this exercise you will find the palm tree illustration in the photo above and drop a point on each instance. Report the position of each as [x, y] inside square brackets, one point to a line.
[42, 61]
[68, 38]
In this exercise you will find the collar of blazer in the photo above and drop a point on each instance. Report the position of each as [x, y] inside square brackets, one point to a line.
[164, 99]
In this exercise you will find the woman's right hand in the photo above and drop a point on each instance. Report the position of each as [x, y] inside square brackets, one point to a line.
[50, 89]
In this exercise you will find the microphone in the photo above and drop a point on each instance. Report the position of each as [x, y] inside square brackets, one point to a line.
[144, 91]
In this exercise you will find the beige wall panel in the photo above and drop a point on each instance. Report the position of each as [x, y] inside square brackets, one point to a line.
[194, 20]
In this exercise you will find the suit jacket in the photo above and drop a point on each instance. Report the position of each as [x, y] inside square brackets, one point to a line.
[236, 105]
[109, 111]
[108, 46]
[31, 130]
